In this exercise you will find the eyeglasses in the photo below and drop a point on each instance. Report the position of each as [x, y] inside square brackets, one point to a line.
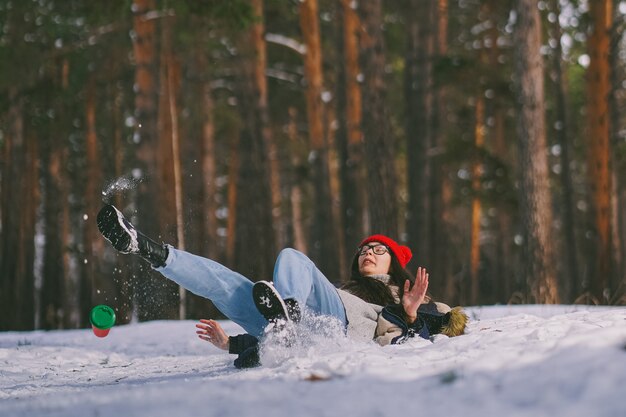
[378, 249]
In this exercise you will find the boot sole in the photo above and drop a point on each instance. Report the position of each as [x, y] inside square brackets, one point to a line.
[269, 303]
[111, 225]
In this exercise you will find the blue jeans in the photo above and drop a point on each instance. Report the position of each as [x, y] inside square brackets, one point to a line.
[295, 276]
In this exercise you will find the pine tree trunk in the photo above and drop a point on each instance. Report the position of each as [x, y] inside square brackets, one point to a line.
[502, 276]
[479, 142]
[150, 292]
[233, 197]
[53, 286]
[173, 87]
[418, 99]
[349, 134]
[19, 199]
[26, 279]
[379, 144]
[536, 205]
[255, 238]
[571, 284]
[273, 163]
[209, 173]
[123, 287]
[503, 280]
[296, 186]
[618, 161]
[169, 193]
[440, 200]
[92, 241]
[322, 249]
[598, 84]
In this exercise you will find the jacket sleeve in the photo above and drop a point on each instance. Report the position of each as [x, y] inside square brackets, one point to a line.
[247, 348]
[432, 318]
[393, 329]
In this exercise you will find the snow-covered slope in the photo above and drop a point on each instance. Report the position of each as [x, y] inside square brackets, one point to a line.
[513, 361]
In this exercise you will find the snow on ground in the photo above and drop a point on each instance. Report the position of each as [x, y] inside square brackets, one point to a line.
[513, 361]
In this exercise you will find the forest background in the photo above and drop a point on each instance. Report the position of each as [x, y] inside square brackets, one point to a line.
[487, 135]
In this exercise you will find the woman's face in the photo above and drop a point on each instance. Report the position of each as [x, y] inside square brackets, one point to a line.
[372, 264]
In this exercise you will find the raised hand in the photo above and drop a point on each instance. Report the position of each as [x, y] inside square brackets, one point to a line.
[211, 331]
[412, 298]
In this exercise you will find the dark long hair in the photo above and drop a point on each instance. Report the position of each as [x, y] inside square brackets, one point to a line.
[375, 291]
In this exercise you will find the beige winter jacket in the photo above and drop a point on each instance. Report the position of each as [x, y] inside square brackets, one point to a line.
[387, 325]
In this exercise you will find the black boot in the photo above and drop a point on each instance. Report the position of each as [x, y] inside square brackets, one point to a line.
[271, 305]
[126, 239]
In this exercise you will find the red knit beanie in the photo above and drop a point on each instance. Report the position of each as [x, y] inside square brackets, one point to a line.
[403, 253]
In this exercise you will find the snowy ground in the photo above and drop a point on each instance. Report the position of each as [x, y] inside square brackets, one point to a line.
[513, 361]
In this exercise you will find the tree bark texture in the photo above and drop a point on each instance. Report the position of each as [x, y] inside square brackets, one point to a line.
[618, 161]
[418, 99]
[479, 142]
[296, 184]
[349, 134]
[257, 34]
[503, 274]
[381, 174]
[233, 196]
[439, 229]
[536, 208]
[173, 88]
[53, 286]
[149, 286]
[571, 285]
[255, 239]
[209, 173]
[19, 200]
[598, 89]
[322, 249]
[169, 193]
[92, 241]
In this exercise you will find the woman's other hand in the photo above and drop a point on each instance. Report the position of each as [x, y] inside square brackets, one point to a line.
[211, 331]
[412, 298]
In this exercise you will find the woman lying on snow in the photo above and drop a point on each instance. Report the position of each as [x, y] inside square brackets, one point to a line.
[382, 301]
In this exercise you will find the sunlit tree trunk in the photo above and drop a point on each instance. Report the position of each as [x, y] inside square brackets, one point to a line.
[479, 142]
[149, 286]
[379, 144]
[173, 87]
[536, 208]
[296, 184]
[323, 243]
[598, 89]
[170, 192]
[618, 160]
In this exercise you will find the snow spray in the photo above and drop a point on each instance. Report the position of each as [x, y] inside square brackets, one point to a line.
[120, 184]
[102, 318]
